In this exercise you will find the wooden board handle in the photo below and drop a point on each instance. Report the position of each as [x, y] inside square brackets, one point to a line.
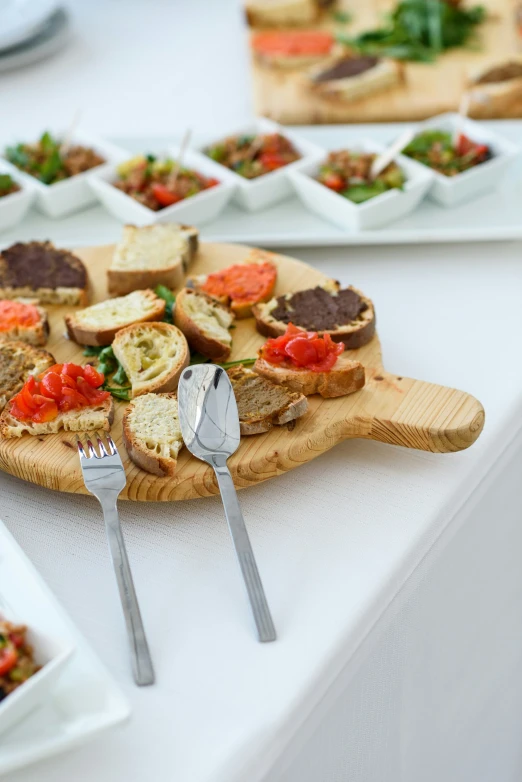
[414, 414]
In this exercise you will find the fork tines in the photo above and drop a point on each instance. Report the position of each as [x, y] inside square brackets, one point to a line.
[105, 450]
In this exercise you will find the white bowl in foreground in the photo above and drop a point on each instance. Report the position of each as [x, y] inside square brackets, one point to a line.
[268, 189]
[196, 210]
[72, 194]
[485, 177]
[14, 207]
[384, 208]
[53, 655]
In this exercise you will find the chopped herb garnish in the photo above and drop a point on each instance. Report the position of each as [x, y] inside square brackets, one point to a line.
[164, 293]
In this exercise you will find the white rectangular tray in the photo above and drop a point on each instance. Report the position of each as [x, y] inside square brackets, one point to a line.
[494, 217]
[85, 700]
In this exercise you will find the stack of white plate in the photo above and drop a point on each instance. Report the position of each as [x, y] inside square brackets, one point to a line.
[30, 30]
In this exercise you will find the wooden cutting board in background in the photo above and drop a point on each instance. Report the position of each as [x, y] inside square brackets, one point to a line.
[428, 89]
[390, 408]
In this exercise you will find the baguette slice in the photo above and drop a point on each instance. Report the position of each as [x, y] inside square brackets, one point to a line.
[18, 360]
[33, 335]
[152, 255]
[306, 308]
[205, 323]
[369, 75]
[152, 434]
[240, 308]
[281, 13]
[84, 420]
[262, 404]
[99, 323]
[153, 356]
[42, 271]
[345, 377]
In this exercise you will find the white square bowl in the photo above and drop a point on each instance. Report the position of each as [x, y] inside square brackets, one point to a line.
[196, 210]
[14, 207]
[71, 195]
[384, 208]
[256, 194]
[466, 186]
[53, 655]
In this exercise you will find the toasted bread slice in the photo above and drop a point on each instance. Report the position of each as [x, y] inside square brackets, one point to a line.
[83, 420]
[347, 78]
[205, 322]
[18, 360]
[37, 334]
[153, 356]
[347, 315]
[99, 323]
[345, 377]
[282, 13]
[40, 270]
[240, 307]
[151, 255]
[262, 404]
[152, 434]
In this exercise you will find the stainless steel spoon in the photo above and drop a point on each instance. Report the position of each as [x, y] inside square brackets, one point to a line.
[210, 427]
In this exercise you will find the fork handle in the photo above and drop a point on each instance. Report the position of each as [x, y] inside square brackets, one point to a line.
[141, 661]
[236, 524]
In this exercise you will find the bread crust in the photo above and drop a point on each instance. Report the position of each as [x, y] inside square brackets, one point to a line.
[72, 421]
[142, 458]
[169, 383]
[354, 335]
[197, 339]
[344, 378]
[121, 282]
[105, 336]
[73, 296]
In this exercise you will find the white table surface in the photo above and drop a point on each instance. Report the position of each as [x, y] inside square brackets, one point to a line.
[337, 539]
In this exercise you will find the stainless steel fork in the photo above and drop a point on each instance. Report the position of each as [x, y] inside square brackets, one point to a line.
[104, 476]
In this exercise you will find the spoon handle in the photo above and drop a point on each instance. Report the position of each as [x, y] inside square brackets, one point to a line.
[236, 524]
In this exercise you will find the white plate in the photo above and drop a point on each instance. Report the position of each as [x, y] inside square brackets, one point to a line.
[84, 702]
[52, 37]
[22, 19]
[492, 217]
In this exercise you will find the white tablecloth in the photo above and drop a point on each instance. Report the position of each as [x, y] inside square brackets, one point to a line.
[397, 603]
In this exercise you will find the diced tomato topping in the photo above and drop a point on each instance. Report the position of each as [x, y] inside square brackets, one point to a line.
[302, 349]
[243, 282]
[164, 196]
[293, 43]
[17, 313]
[465, 146]
[17, 639]
[272, 161]
[8, 659]
[212, 182]
[61, 388]
[334, 182]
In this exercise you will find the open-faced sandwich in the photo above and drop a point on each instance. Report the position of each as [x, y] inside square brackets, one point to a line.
[152, 434]
[99, 323]
[252, 156]
[18, 361]
[241, 285]
[205, 322]
[352, 77]
[153, 356]
[262, 403]
[438, 150]
[49, 161]
[284, 13]
[152, 255]
[308, 363]
[495, 89]
[346, 315]
[23, 319]
[291, 48]
[349, 174]
[41, 271]
[159, 183]
[63, 396]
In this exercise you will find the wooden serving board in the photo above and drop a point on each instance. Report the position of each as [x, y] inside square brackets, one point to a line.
[428, 88]
[390, 408]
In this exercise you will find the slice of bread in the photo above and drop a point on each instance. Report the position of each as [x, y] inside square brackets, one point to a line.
[376, 75]
[345, 377]
[153, 356]
[40, 270]
[99, 323]
[151, 255]
[240, 308]
[205, 322]
[152, 434]
[84, 420]
[262, 404]
[37, 334]
[322, 309]
[18, 360]
[282, 13]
